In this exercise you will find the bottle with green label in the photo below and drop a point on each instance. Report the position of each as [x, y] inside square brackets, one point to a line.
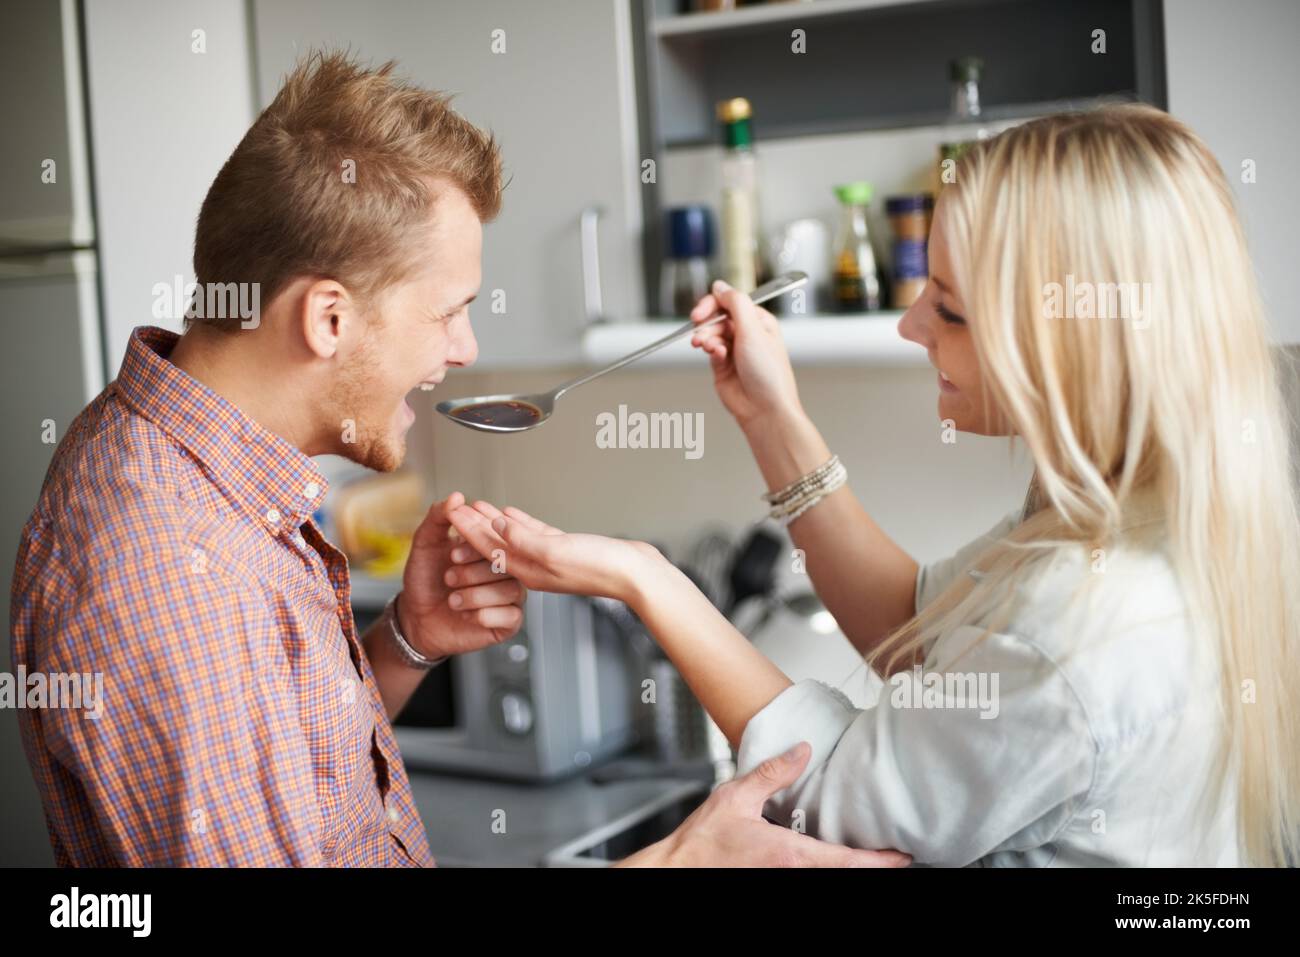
[739, 248]
[856, 282]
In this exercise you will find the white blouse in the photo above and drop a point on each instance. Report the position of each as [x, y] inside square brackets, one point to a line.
[1074, 736]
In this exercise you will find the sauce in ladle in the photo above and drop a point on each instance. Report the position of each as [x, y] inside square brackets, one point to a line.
[507, 415]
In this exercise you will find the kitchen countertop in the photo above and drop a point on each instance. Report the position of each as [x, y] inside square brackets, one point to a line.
[459, 812]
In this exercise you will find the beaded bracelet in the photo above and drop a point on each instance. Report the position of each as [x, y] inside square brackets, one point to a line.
[786, 512]
[803, 483]
[799, 496]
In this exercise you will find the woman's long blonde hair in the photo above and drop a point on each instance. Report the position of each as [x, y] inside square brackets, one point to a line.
[1165, 424]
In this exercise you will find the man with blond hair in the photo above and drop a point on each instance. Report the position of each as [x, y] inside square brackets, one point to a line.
[173, 551]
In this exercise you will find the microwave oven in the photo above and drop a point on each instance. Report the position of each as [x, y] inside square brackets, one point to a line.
[551, 701]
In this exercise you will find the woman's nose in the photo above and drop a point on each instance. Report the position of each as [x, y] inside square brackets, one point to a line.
[913, 326]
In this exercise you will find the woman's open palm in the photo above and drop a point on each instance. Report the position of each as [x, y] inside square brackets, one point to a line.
[543, 557]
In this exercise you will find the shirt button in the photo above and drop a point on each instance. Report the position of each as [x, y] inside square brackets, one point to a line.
[393, 815]
[311, 491]
[273, 516]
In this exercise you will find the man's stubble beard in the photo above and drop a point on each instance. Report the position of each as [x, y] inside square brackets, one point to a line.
[373, 444]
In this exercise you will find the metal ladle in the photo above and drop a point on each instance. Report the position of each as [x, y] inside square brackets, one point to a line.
[518, 412]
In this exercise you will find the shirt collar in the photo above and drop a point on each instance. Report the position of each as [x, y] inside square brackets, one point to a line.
[260, 471]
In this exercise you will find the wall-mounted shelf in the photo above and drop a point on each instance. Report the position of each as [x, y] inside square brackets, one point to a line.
[992, 117]
[705, 22]
[871, 66]
[871, 339]
[867, 65]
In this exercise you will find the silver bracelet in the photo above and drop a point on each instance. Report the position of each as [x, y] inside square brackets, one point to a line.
[804, 483]
[802, 494]
[413, 657]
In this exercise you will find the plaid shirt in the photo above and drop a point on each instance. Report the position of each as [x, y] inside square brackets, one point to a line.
[172, 551]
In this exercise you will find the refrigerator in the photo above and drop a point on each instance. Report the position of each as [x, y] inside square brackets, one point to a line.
[51, 357]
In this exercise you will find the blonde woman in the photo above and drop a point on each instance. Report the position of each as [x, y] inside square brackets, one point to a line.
[1137, 622]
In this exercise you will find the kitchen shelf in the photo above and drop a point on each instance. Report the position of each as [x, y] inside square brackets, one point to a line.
[871, 339]
[867, 67]
[992, 117]
[705, 22]
[880, 65]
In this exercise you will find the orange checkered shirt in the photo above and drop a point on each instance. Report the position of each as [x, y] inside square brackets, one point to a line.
[173, 551]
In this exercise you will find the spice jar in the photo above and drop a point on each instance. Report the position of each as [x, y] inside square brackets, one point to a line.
[909, 218]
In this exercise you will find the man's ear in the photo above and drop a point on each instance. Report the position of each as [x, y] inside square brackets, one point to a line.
[327, 315]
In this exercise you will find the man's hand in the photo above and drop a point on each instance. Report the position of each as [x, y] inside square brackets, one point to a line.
[448, 608]
[728, 829]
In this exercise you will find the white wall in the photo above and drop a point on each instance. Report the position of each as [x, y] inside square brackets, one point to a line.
[883, 423]
[163, 119]
[1234, 76]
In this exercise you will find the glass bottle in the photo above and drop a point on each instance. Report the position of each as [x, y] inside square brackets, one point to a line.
[965, 125]
[965, 75]
[857, 284]
[739, 252]
[686, 273]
